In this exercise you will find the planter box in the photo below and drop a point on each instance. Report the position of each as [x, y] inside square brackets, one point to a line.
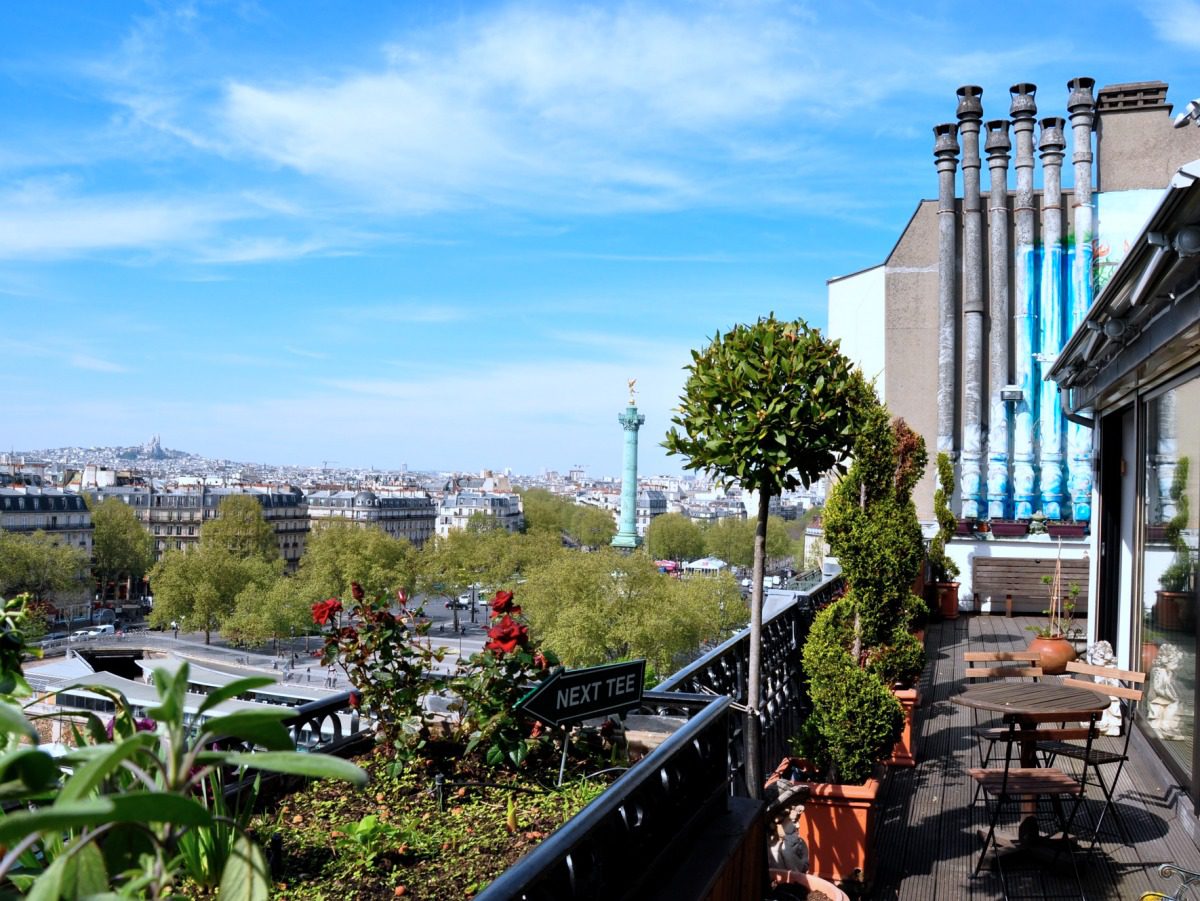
[1066, 529]
[837, 825]
[1009, 528]
[944, 598]
[810, 882]
[965, 527]
[904, 753]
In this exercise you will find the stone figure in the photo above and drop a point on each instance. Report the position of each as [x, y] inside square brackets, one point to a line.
[1163, 708]
[1101, 654]
[785, 848]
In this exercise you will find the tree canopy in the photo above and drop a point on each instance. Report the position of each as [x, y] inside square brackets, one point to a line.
[39, 565]
[339, 553]
[121, 546]
[241, 529]
[673, 536]
[201, 587]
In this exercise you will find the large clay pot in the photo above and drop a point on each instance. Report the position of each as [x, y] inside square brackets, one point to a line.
[1056, 654]
[947, 594]
[1173, 611]
[904, 752]
[838, 825]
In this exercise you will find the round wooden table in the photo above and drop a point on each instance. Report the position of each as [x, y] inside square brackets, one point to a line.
[1035, 700]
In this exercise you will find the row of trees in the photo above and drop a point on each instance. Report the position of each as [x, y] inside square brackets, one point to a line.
[674, 536]
[586, 607]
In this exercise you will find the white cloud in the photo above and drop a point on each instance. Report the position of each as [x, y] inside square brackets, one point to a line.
[96, 364]
[1176, 21]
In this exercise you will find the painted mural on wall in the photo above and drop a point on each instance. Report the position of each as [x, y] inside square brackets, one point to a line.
[1052, 465]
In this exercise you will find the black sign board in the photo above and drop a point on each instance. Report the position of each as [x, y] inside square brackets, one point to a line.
[572, 695]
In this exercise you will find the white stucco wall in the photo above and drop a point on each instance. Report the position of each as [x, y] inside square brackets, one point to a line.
[856, 318]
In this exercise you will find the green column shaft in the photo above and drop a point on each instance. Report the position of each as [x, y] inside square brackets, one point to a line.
[627, 535]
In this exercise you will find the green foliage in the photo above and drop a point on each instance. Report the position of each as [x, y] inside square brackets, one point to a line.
[855, 719]
[765, 405]
[673, 536]
[1179, 573]
[202, 587]
[872, 527]
[385, 658]
[241, 530]
[38, 565]
[550, 513]
[732, 540]
[126, 813]
[340, 553]
[900, 661]
[943, 568]
[591, 527]
[604, 606]
[494, 680]
[121, 546]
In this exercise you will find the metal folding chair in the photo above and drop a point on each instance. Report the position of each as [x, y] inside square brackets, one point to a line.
[1013, 785]
[1103, 753]
[987, 665]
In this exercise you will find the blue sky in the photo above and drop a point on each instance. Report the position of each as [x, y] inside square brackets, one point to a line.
[445, 234]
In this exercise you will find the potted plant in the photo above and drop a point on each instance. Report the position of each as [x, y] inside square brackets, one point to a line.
[1063, 528]
[942, 570]
[771, 406]
[1054, 640]
[861, 646]
[1173, 600]
[1009, 528]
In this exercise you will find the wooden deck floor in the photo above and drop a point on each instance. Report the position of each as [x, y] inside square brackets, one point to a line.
[927, 841]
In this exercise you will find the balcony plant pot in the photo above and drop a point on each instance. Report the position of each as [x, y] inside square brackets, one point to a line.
[1172, 610]
[946, 596]
[965, 527]
[1057, 651]
[904, 752]
[837, 824]
[810, 882]
[1066, 529]
[1009, 528]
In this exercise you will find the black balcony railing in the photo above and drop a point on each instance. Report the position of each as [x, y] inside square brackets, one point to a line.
[610, 849]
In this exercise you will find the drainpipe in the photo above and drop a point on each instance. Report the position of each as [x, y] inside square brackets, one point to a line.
[1082, 108]
[1023, 112]
[997, 146]
[1050, 316]
[945, 152]
[970, 115]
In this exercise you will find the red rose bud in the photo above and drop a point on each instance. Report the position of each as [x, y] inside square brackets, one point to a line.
[401, 597]
[355, 699]
[357, 591]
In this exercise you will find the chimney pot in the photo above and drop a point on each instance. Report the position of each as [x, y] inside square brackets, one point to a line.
[997, 137]
[1024, 104]
[969, 104]
[1081, 99]
[1052, 135]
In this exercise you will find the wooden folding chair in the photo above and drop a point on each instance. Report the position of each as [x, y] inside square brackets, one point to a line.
[1013, 785]
[1103, 753]
[997, 665]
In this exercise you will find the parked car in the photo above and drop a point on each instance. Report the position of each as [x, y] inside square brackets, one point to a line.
[462, 602]
[82, 635]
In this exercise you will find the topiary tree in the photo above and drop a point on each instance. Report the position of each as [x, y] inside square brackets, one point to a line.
[771, 405]
[943, 569]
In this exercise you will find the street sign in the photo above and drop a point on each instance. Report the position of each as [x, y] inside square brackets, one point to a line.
[569, 696]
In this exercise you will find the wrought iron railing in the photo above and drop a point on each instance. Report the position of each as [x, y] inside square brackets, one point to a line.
[608, 850]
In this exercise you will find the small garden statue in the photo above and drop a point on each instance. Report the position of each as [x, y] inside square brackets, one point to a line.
[1101, 654]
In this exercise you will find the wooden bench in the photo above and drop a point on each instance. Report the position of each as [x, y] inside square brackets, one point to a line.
[994, 577]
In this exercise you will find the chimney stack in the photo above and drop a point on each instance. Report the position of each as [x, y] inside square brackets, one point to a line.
[1050, 318]
[945, 152]
[997, 146]
[970, 115]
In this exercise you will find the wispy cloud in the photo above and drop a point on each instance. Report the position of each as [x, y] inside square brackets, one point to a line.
[96, 364]
[1175, 21]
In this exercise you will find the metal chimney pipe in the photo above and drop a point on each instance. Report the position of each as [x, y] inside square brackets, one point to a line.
[970, 115]
[945, 152]
[1023, 112]
[1050, 315]
[1082, 107]
[997, 146]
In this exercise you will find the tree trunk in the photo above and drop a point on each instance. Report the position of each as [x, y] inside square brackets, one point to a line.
[754, 768]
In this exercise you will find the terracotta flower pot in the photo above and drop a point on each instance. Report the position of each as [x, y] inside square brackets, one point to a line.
[947, 597]
[810, 882]
[1056, 654]
[837, 825]
[904, 752]
[1149, 655]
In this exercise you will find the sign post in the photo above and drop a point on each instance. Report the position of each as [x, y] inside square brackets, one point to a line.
[569, 696]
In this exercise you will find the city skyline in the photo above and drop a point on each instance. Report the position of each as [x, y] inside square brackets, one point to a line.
[445, 236]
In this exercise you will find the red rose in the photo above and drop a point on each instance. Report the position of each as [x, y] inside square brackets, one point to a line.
[540, 661]
[536, 730]
[324, 610]
[401, 597]
[357, 592]
[355, 699]
[502, 604]
[506, 635]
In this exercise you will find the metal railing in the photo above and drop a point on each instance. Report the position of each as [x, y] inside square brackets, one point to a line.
[610, 849]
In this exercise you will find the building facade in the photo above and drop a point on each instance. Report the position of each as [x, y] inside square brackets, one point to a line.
[64, 516]
[457, 508]
[410, 514]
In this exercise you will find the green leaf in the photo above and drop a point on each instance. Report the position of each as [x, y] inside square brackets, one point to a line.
[263, 727]
[123, 849]
[16, 826]
[317, 766]
[88, 777]
[12, 720]
[158, 807]
[48, 886]
[84, 874]
[33, 767]
[232, 690]
[246, 876]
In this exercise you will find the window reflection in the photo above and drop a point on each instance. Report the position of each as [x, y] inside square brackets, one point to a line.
[1172, 468]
